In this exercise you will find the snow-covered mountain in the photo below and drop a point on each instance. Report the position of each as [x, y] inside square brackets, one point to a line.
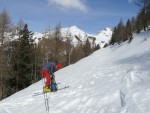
[73, 32]
[115, 79]
[77, 35]
[104, 37]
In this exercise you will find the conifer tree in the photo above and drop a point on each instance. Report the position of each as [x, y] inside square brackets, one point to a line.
[97, 47]
[133, 24]
[105, 45]
[74, 55]
[144, 12]
[24, 59]
[114, 36]
[121, 32]
[138, 24]
[128, 30]
[87, 48]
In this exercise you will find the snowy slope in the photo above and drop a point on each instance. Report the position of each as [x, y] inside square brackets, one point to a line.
[111, 80]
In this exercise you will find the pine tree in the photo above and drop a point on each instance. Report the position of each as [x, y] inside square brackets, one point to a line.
[87, 48]
[105, 45]
[148, 15]
[121, 32]
[133, 24]
[129, 31]
[74, 55]
[138, 24]
[144, 19]
[24, 59]
[144, 12]
[14, 59]
[97, 47]
[114, 36]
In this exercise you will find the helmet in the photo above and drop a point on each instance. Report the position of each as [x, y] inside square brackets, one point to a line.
[59, 66]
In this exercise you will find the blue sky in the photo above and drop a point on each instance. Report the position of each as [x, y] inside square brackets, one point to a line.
[89, 15]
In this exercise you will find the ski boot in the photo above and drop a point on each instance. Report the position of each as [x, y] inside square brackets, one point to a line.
[47, 89]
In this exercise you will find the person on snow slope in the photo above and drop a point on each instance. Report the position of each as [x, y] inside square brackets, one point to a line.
[48, 72]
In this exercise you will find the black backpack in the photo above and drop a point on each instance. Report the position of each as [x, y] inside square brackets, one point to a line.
[53, 85]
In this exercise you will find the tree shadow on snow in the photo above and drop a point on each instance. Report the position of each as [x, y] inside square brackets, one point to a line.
[142, 60]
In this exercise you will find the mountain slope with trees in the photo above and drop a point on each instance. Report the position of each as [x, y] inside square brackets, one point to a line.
[22, 53]
[111, 80]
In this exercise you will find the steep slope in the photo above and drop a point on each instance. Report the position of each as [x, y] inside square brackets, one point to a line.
[111, 80]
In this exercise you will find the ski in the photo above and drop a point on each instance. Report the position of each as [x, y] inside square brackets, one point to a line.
[63, 88]
[41, 93]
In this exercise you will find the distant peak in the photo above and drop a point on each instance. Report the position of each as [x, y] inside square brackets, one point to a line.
[74, 27]
[107, 29]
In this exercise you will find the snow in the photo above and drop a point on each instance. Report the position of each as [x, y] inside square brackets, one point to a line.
[37, 36]
[102, 37]
[115, 79]
[72, 32]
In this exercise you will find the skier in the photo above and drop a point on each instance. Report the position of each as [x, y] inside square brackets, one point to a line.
[48, 72]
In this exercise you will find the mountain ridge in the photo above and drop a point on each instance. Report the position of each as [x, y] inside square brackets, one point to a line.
[101, 38]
